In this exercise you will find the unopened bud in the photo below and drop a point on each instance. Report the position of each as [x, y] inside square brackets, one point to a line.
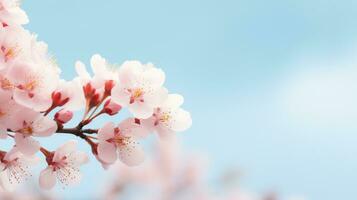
[111, 108]
[63, 116]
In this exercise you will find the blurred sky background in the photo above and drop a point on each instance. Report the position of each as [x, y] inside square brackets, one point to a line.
[271, 85]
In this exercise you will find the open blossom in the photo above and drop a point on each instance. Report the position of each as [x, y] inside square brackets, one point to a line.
[11, 13]
[33, 84]
[27, 123]
[15, 45]
[14, 168]
[140, 88]
[169, 117]
[63, 165]
[121, 139]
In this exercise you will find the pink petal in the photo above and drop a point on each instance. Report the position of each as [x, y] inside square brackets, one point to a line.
[106, 132]
[165, 133]
[120, 95]
[47, 178]
[26, 145]
[3, 132]
[133, 129]
[44, 127]
[80, 158]
[141, 110]
[36, 102]
[155, 76]
[132, 154]
[107, 152]
[65, 150]
[156, 97]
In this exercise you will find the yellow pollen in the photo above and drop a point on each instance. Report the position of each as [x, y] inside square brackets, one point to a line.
[26, 130]
[30, 85]
[10, 53]
[137, 93]
[165, 117]
[6, 84]
[121, 140]
[2, 113]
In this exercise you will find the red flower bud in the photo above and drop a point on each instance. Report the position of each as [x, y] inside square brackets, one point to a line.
[63, 116]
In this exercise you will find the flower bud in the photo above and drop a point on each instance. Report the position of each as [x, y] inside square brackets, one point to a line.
[63, 116]
[111, 108]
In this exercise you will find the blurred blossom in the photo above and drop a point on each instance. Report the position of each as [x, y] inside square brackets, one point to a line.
[175, 175]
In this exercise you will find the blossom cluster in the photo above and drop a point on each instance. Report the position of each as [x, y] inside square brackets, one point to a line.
[36, 102]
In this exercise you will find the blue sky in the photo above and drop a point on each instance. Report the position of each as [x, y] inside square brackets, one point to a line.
[271, 84]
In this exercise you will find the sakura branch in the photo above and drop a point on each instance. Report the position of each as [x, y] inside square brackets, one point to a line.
[36, 102]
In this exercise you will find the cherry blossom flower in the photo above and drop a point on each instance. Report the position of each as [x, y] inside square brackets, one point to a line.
[67, 95]
[63, 165]
[169, 117]
[121, 139]
[14, 168]
[11, 13]
[140, 88]
[14, 45]
[34, 84]
[27, 123]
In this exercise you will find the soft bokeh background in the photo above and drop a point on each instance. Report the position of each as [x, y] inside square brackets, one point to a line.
[271, 85]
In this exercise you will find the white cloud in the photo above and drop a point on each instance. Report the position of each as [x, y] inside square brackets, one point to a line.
[322, 95]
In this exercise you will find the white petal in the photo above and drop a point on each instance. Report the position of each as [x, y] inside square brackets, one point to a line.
[181, 120]
[120, 95]
[107, 152]
[106, 132]
[47, 178]
[98, 64]
[64, 150]
[173, 101]
[131, 154]
[141, 110]
[82, 71]
[26, 145]
[44, 127]
[80, 158]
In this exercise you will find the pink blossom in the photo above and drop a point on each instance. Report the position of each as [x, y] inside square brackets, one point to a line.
[14, 168]
[121, 139]
[140, 88]
[11, 13]
[169, 117]
[27, 123]
[14, 45]
[33, 84]
[63, 165]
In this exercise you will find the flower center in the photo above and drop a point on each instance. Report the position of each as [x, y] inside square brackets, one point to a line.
[26, 129]
[2, 113]
[136, 94]
[9, 53]
[165, 117]
[6, 84]
[29, 86]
